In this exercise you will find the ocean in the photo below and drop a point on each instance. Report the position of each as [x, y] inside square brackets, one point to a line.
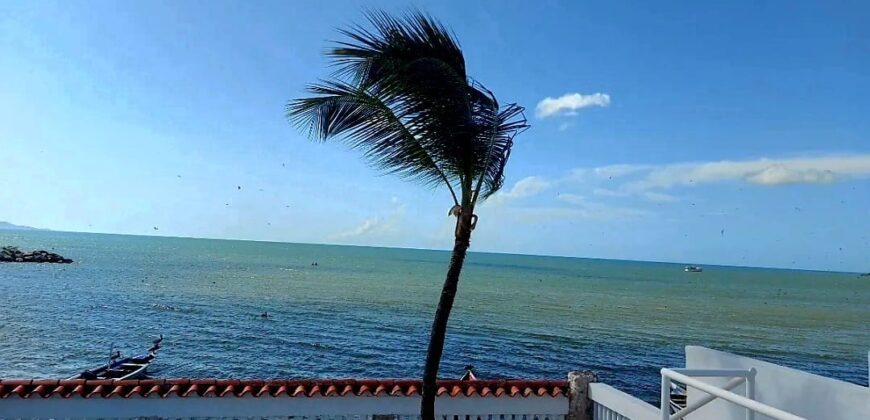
[366, 312]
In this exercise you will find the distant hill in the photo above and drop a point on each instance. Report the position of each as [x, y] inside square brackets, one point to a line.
[10, 226]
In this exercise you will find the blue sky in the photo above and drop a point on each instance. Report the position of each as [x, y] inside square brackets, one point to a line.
[733, 133]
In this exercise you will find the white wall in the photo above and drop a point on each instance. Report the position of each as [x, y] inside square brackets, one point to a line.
[267, 406]
[800, 393]
[609, 400]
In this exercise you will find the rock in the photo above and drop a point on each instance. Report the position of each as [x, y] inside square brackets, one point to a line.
[13, 254]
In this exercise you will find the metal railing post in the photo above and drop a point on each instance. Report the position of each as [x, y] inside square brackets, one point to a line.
[666, 396]
[750, 392]
[728, 395]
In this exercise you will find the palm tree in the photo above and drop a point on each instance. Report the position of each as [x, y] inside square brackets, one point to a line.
[400, 94]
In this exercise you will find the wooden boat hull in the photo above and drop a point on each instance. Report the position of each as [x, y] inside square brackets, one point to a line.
[127, 368]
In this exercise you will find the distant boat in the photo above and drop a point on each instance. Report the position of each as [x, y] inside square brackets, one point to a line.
[123, 368]
[693, 269]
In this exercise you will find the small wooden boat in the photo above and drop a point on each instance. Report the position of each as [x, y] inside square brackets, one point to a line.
[123, 368]
[469, 374]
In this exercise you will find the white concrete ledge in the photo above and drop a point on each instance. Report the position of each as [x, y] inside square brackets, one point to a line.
[622, 403]
[249, 406]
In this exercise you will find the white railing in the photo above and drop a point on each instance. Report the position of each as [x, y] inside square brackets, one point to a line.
[610, 403]
[600, 412]
[739, 376]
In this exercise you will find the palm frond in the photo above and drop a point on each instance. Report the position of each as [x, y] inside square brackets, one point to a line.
[371, 56]
[365, 122]
[400, 93]
[509, 122]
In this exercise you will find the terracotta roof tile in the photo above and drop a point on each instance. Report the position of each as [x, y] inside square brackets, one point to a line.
[137, 389]
[265, 389]
[104, 388]
[314, 390]
[470, 390]
[211, 391]
[153, 389]
[347, 389]
[379, 390]
[192, 389]
[246, 389]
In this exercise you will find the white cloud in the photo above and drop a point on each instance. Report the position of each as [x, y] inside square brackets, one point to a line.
[607, 172]
[569, 103]
[765, 172]
[571, 198]
[650, 182]
[564, 126]
[375, 226]
[609, 193]
[526, 187]
[616, 171]
[586, 211]
[777, 174]
[658, 197]
[367, 226]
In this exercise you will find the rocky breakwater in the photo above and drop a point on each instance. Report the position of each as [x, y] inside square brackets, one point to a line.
[13, 254]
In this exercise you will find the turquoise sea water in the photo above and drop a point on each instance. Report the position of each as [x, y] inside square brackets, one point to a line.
[366, 312]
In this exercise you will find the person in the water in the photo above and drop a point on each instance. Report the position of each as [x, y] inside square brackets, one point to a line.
[264, 315]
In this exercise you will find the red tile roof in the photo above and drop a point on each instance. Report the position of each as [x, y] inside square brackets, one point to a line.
[107, 388]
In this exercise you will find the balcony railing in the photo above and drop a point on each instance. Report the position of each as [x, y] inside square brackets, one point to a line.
[739, 376]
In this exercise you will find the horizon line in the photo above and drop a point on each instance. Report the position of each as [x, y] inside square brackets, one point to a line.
[34, 229]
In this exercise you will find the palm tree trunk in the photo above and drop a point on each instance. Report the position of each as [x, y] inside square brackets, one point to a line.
[442, 314]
